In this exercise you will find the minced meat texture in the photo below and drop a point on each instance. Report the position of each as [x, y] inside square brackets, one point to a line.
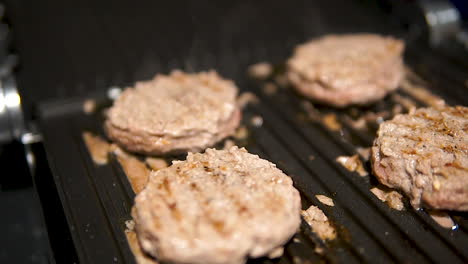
[342, 70]
[175, 113]
[217, 207]
[425, 155]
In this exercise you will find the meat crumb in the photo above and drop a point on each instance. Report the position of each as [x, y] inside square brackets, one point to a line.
[364, 153]
[331, 122]
[130, 224]
[156, 163]
[137, 172]
[256, 121]
[241, 133]
[325, 200]
[319, 223]
[260, 71]
[357, 124]
[89, 106]
[311, 157]
[391, 197]
[98, 148]
[443, 219]
[352, 163]
[228, 144]
[246, 98]
[276, 253]
[270, 88]
[319, 250]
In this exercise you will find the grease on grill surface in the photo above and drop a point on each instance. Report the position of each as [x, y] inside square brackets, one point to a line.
[389, 196]
[352, 163]
[98, 148]
[156, 163]
[443, 219]
[137, 172]
[319, 223]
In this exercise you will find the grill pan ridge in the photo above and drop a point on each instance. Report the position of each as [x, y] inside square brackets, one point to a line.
[97, 199]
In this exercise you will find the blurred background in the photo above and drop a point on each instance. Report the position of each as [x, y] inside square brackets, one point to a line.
[55, 49]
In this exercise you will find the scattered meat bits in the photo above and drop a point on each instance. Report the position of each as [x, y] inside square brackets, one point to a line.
[357, 124]
[325, 199]
[257, 121]
[352, 163]
[331, 122]
[260, 71]
[319, 223]
[228, 144]
[98, 148]
[391, 197]
[241, 133]
[89, 106]
[364, 153]
[130, 224]
[246, 98]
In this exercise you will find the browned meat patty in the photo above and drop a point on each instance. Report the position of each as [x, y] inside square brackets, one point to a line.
[219, 207]
[174, 113]
[342, 70]
[425, 154]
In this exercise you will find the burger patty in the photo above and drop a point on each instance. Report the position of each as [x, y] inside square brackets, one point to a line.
[221, 206]
[342, 70]
[425, 154]
[174, 113]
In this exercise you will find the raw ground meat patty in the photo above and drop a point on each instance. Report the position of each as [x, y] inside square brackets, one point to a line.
[219, 207]
[342, 70]
[174, 113]
[425, 154]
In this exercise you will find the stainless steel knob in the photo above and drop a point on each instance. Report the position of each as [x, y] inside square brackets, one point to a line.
[442, 18]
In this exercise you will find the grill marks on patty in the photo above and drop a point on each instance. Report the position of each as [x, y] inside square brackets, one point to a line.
[425, 154]
[221, 206]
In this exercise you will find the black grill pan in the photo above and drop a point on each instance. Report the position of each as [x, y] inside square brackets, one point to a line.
[98, 44]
